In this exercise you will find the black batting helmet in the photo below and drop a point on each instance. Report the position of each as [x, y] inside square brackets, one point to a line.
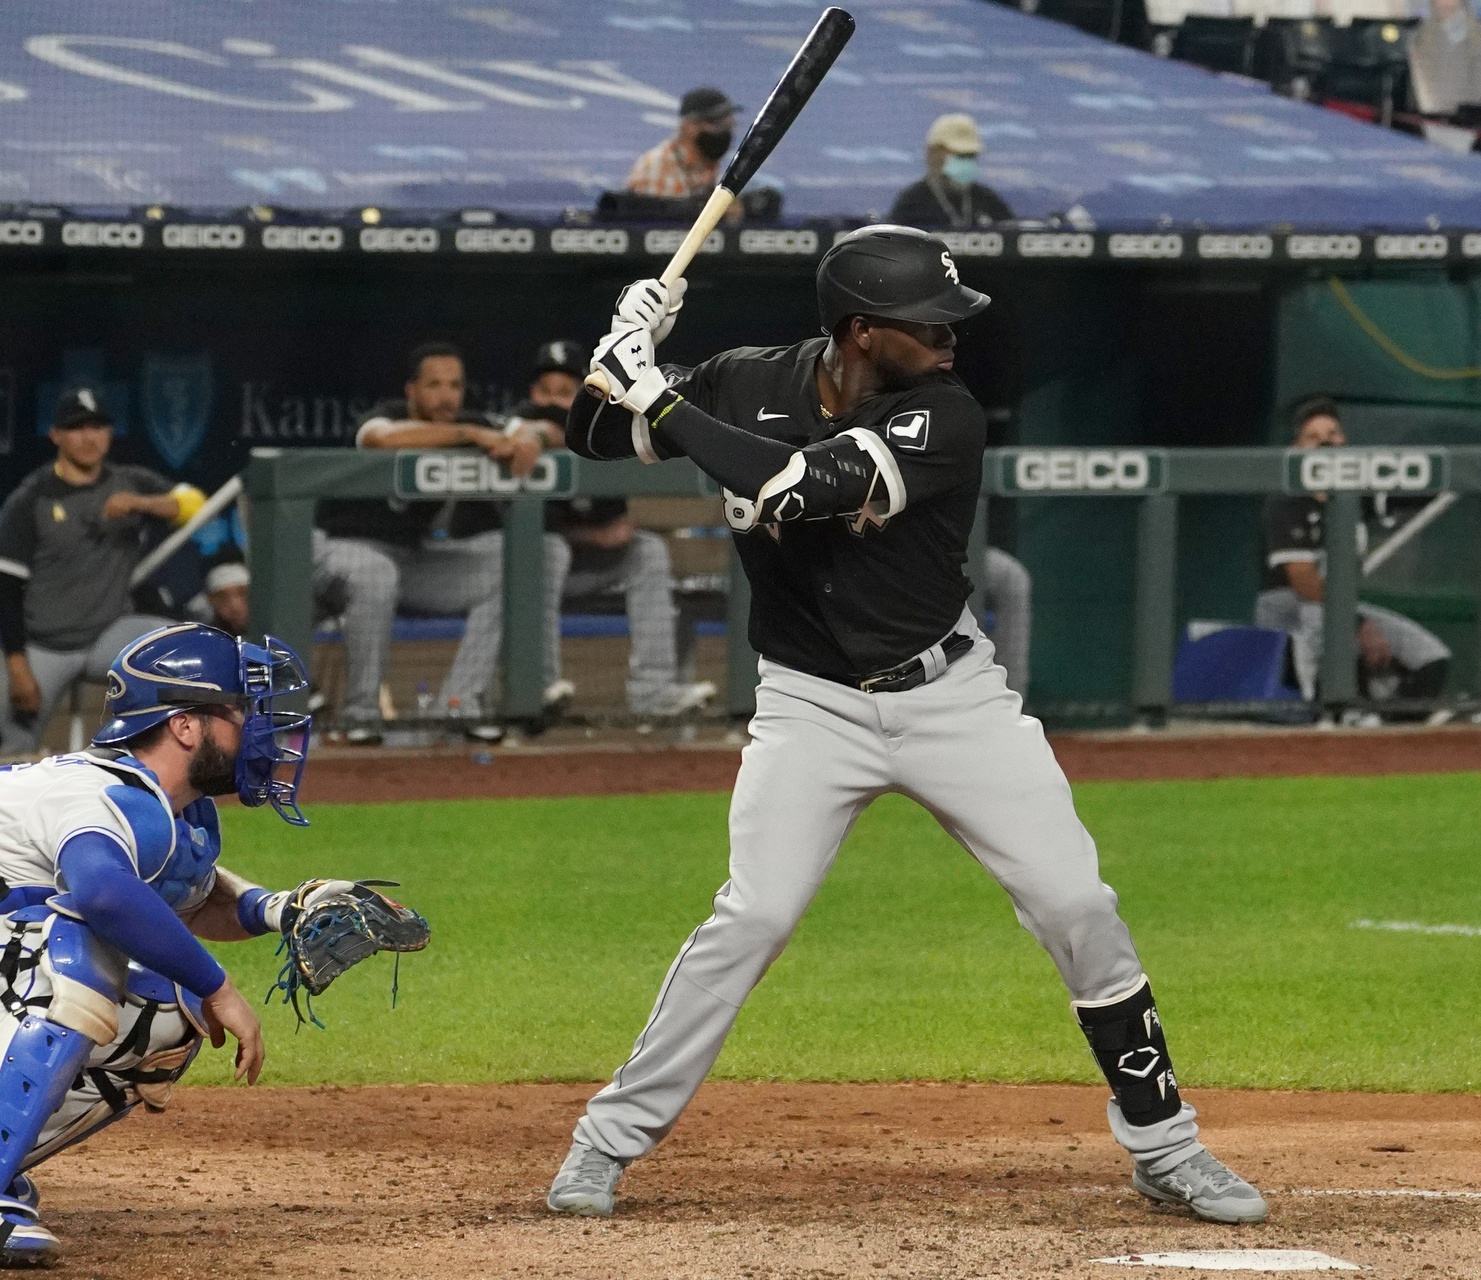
[899, 273]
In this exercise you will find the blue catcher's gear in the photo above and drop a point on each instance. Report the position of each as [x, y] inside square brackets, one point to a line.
[190, 665]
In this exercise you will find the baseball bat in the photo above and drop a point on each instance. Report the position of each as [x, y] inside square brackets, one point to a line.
[803, 75]
[213, 506]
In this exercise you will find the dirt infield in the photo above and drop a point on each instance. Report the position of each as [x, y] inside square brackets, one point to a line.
[770, 1180]
[350, 776]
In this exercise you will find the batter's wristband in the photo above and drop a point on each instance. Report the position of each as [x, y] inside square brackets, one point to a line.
[674, 398]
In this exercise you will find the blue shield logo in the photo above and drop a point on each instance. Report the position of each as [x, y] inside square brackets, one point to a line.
[177, 393]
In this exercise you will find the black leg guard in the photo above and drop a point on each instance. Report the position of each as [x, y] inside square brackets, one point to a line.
[1126, 1038]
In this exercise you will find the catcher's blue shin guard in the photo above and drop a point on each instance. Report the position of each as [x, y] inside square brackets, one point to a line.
[41, 1060]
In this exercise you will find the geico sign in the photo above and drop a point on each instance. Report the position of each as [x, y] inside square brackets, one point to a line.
[195, 235]
[1323, 246]
[778, 241]
[102, 235]
[1055, 244]
[304, 239]
[1323, 469]
[1470, 245]
[572, 240]
[443, 473]
[28, 232]
[1235, 246]
[399, 239]
[1411, 246]
[494, 240]
[1093, 469]
[663, 242]
[973, 244]
[1145, 246]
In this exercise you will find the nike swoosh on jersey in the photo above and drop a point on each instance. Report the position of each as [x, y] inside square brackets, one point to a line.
[762, 415]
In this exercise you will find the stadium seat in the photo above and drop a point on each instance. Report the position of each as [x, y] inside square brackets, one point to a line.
[1105, 18]
[1369, 66]
[1220, 44]
[1233, 664]
[1293, 55]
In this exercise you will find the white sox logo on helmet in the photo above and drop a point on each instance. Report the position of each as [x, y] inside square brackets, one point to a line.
[951, 271]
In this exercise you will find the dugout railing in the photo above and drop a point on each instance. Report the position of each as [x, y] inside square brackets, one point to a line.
[283, 486]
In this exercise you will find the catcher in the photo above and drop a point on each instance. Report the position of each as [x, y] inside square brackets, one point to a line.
[108, 859]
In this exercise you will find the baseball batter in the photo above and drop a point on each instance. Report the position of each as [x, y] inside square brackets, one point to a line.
[851, 465]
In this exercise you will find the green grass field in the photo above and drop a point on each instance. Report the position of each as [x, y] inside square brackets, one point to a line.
[554, 921]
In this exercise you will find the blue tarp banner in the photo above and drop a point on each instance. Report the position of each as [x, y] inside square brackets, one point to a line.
[534, 106]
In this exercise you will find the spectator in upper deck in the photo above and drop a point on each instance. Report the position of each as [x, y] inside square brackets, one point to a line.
[950, 196]
[688, 163]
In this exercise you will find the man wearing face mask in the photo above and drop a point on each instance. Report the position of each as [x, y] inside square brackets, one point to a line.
[688, 164]
[949, 195]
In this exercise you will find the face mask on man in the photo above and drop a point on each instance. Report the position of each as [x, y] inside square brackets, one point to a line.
[712, 143]
[961, 169]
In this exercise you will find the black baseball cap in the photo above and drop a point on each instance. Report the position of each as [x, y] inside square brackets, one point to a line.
[561, 356]
[80, 408]
[707, 105]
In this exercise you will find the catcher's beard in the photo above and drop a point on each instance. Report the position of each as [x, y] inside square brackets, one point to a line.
[212, 771]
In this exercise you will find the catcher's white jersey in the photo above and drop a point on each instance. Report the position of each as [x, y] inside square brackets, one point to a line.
[44, 805]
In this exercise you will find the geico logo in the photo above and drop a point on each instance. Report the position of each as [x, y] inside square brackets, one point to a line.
[973, 244]
[664, 243]
[1134, 246]
[399, 239]
[103, 235]
[569, 240]
[308, 239]
[1470, 245]
[1076, 469]
[21, 233]
[1056, 244]
[1235, 246]
[453, 473]
[1411, 246]
[1323, 469]
[779, 242]
[191, 235]
[1323, 246]
[494, 240]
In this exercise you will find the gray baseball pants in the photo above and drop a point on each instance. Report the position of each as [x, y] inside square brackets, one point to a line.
[645, 576]
[367, 581]
[819, 754]
[1281, 609]
[57, 670]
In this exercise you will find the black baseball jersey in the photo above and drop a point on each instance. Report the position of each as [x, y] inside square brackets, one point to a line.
[1294, 526]
[75, 563]
[393, 519]
[847, 596]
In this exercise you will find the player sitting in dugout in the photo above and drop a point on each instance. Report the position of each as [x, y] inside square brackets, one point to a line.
[1397, 658]
[110, 877]
[373, 556]
[70, 538]
[609, 554]
[950, 196]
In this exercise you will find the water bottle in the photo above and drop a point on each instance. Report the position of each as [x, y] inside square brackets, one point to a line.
[424, 700]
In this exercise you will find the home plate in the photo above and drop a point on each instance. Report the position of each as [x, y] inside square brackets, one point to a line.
[1238, 1260]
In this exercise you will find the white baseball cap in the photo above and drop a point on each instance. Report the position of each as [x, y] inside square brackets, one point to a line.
[956, 132]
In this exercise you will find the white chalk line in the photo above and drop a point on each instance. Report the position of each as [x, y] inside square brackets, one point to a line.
[1396, 1193]
[1414, 926]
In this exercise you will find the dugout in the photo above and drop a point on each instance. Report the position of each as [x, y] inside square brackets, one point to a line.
[236, 277]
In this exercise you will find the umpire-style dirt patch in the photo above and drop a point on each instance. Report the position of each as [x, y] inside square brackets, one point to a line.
[554, 768]
[759, 1180]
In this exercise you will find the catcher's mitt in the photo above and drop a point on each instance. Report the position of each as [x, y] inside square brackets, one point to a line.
[328, 926]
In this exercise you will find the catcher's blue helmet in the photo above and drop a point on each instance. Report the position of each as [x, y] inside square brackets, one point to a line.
[190, 665]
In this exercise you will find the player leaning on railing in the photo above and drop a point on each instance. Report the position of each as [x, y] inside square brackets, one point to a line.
[109, 859]
[852, 465]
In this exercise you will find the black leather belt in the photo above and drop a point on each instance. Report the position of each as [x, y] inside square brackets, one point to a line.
[919, 670]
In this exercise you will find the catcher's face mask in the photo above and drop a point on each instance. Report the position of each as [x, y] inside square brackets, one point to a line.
[275, 744]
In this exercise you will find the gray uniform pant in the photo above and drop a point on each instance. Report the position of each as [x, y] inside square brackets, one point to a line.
[366, 581]
[819, 754]
[57, 670]
[1281, 609]
[1009, 589]
[645, 576]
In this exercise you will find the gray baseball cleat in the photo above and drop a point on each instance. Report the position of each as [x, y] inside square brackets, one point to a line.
[1207, 1186]
[586, 1183]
